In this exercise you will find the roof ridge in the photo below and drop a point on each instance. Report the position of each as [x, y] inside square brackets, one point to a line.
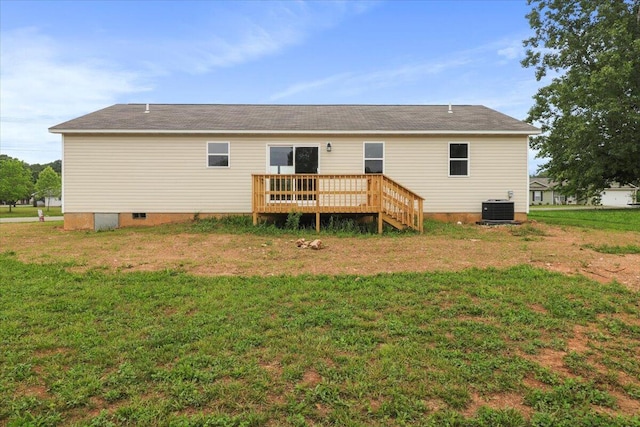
[304, 105]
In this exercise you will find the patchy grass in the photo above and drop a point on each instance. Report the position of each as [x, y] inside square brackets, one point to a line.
[28, 211]
[602, 219]
[528, 232]
[615, 249]
[511, 347]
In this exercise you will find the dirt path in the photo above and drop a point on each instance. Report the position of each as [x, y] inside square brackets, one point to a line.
[553, 248]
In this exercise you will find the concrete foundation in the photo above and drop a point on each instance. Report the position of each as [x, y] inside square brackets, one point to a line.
[86, 221]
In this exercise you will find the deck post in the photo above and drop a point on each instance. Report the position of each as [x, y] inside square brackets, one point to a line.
[317, 197]
[381, 201]
[254, 201]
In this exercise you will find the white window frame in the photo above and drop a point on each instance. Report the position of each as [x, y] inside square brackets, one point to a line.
[284, 144]
[467, 159]
[365, 158]
[228, 154]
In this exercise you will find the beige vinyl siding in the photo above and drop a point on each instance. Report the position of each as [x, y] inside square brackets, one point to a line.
[496, 165]
[157, 174]
[131, 173]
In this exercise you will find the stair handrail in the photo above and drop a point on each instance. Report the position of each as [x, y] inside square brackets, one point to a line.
[410, 215]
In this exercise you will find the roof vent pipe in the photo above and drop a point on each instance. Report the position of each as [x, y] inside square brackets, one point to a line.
[146, 111]
[450, 110]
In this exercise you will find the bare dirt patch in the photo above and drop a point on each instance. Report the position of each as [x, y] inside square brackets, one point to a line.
[311, 378]
[498, 401]
[557, 249]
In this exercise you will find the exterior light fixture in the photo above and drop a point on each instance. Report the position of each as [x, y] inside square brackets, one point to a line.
[328, 147]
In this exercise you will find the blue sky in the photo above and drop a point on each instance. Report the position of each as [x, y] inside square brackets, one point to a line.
[63, 59]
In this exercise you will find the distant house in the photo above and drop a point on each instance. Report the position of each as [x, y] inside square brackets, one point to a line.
[619, 195]
[542, 191]
[49, 201]
[136, 164]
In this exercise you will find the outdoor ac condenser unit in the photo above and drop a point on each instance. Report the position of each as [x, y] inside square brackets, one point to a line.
[497, 210]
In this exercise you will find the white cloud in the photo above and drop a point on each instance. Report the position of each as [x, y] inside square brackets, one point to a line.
[41, 88]
[351, 83]
[241, 36]
[254, 42]
[310, 85]
[510, 52]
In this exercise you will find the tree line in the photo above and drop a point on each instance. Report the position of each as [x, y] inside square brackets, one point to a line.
[20, 181]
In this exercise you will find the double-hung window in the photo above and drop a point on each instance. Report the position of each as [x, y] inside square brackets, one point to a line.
[458, 159]
[537, 196]
[374, 157]
[218, 154]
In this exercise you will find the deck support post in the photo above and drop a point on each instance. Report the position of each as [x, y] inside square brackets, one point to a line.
[317, 197]
[381, 201]
[255, 218]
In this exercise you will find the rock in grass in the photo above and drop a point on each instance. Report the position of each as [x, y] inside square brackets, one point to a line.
[316, 244]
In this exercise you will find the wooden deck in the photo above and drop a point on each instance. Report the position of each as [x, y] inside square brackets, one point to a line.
[374, 194]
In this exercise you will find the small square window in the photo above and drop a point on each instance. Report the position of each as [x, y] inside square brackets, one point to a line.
[459, 159]
[217, 154]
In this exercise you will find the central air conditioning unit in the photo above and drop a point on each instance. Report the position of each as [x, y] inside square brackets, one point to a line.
[497, 210]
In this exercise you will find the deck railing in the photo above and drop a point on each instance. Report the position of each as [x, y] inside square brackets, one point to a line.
[323, 194]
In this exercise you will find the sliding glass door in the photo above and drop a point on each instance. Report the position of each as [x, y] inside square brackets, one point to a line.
[287, 160]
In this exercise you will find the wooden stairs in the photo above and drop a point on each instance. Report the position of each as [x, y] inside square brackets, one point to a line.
[400, 207]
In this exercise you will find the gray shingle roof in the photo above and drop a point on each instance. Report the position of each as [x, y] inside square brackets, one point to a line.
[295, 118]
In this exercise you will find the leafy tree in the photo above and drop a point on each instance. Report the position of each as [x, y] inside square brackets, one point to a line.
[36, 168]
[590, 112]
[56, 166]
[15, 181]
[48, 185]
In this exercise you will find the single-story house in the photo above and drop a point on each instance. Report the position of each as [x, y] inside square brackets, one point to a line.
[142, 164]
[542, 191]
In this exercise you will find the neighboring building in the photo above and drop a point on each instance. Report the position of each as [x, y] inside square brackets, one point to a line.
[134, 164]
[49, 201]
[620, 196]
[542, 192]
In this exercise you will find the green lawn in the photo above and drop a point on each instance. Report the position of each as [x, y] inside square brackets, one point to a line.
[603, 219]
[28, 211]
[166, 348]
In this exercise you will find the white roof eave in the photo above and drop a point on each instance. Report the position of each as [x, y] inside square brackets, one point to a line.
[297, 132]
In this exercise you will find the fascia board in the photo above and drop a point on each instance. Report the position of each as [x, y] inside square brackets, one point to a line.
[293, 132]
